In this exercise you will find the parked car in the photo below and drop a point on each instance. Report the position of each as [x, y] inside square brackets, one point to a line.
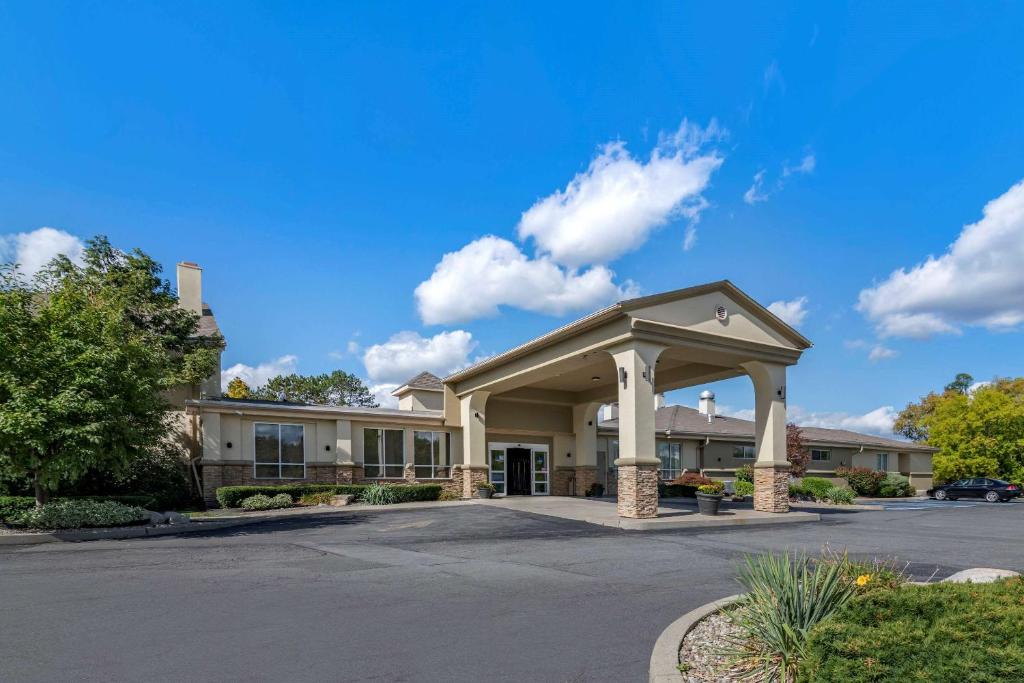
[991, 490]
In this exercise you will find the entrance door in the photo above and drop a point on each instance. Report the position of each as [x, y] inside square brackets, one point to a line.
[517, 462]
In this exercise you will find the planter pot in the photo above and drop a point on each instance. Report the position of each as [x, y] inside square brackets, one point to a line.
[484, 493]
[707, 503]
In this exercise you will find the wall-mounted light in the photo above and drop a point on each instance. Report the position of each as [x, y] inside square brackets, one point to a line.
[595, 378]
[327, 447]
[623, 375]
[568, 455]
[228, 444]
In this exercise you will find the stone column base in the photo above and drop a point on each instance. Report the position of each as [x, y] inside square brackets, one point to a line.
[771, 487]
[473, 476]
[638, 491]
[586, 475]
[346, 473]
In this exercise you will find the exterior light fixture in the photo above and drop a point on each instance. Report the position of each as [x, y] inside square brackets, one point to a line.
[228, 444]
[595, 378]
[327, 447]
[623, 375]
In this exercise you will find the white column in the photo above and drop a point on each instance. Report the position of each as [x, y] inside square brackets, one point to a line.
[584, 427]
[638, 479]
[771, 469]
[474, 440]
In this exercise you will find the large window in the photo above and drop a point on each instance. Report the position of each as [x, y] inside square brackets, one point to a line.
[820, 455]
[432, 455]
[540, 472]
[882, 462]
[668, 454]
[743, 452]
[383, 453]
[279, 451]
[497, 463]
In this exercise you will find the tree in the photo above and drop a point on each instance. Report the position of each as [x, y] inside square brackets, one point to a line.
[978, 433]
[88, 352]
[338, 388]
[797, 452]
[237, 388]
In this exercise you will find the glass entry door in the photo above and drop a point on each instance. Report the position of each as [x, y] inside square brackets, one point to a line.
[520, 469]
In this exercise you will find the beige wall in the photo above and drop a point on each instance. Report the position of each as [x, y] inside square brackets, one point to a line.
[529, 417]
[416, 399]
[696, 314]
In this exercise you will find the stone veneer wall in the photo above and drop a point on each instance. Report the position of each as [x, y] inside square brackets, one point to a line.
[638, 491]
[771, 488]
[586, 475]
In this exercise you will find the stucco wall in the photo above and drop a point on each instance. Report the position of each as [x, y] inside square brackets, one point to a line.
[529, 417]
[421, 400]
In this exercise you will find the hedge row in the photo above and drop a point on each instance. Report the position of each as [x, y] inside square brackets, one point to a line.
[232, 496]
[14, 506]
[937, 632]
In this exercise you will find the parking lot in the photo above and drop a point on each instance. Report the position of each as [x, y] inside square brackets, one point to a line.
[459, 593]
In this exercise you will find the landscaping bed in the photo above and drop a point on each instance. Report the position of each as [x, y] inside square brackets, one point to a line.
[835, 619]
[287, 495]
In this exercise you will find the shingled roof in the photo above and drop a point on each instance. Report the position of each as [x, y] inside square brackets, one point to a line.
[681, 421]
[424, 381]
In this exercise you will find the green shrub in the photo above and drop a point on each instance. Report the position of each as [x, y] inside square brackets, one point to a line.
[449, 495]
[262, 502]
[938, 632]
[839, 496]
[796, 490]
[715, 488]
[786, 596]
[13, 506]
[379, 494]
[73, 514]
[744, 488]
[321, 498]
[816, 487]
[232, 496]
[684, 486]
[896, 486]
[745, 473]
[595, 490]
[864, 481]
[486, 486]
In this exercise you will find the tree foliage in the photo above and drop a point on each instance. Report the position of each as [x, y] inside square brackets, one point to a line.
[979, 433]
[797, 452]
[339, 388]
[237, 388]
[88, 351]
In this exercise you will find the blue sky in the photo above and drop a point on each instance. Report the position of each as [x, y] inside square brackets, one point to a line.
[320, 161]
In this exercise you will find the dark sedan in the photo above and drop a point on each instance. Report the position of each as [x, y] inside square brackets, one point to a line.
[991, 490]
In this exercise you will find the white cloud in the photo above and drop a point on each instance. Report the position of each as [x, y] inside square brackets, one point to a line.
[258, 375]
[33, 250]
[612, 207]
[755, 193]
[773, 77]
[490, 272]
[407, 354]
[978, 280]
[878, 421]
[792, 312]
[879, 352]
[382, 394]
[805, 166]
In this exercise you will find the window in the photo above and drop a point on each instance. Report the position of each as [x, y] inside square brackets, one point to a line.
[882, 464]
[540, 472]
[383, 453]
[820, 455]
[743, 452]
[431, 452]
[668, 454]
[279, 451]
[498, 469]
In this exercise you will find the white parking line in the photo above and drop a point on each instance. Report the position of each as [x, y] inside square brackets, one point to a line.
[930, 506]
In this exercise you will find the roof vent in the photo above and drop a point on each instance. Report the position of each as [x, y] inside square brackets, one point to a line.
[721, 313]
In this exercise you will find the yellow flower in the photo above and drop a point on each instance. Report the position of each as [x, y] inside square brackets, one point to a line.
[863, 579]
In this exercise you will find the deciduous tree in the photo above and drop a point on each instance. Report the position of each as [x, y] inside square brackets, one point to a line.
[338, 388]
[797, 452]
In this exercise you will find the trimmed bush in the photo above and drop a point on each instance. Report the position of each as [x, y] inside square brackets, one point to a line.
[864, 481]
[12, 507]
[817, 487]
[895, 486]
[322, 498]
[232, 496]
[744, 488]
[938, 632]
[74, 514]
[379, 494]
[262, 502]
[684, 486]
[839, 496]
[745, 473]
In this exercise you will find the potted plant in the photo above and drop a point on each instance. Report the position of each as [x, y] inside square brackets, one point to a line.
[709, 497]
[484, 489]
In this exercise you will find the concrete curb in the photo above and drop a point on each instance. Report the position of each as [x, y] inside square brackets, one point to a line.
[201, 525]
[665, 656]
